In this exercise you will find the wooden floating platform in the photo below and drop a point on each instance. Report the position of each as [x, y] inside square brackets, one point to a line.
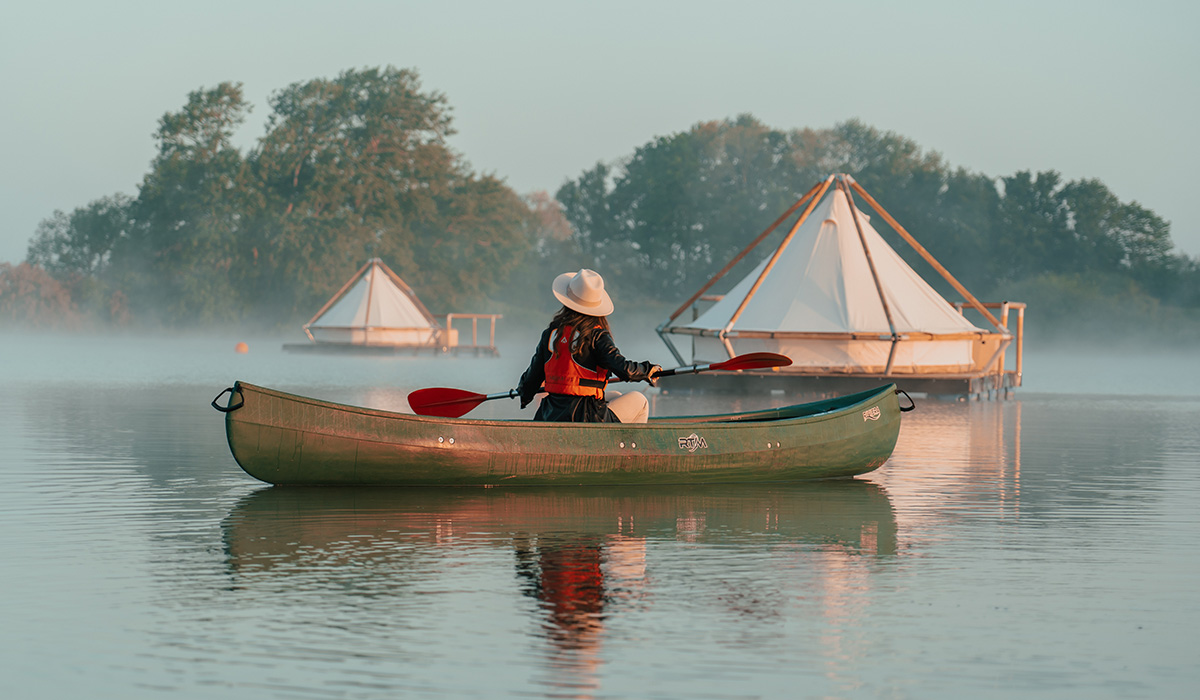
[391, 350]
[440, 340]
[812, 387]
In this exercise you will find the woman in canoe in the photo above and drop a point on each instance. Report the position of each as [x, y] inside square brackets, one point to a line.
[575, 356]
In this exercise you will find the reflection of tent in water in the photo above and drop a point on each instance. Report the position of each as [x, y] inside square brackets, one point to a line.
[848, 310]
[974, 455]
[375, 311]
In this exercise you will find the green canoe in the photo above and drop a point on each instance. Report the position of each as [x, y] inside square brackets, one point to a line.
[287, 439]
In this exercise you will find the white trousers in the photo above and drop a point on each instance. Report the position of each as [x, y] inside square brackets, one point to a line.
[630, 408]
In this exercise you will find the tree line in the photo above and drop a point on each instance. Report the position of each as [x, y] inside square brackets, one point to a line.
[358, 166]
[667, 217]
[349, 168]
[682, 205]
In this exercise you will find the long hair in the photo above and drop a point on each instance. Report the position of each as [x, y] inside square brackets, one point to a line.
[587, 328]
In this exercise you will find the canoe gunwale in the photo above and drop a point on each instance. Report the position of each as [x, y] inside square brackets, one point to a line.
[779, 415]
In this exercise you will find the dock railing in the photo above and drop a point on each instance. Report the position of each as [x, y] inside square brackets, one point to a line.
[449, 337]
[1008, 378]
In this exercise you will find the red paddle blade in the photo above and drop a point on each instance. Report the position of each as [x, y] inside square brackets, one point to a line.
[443, 402]
[753, 360]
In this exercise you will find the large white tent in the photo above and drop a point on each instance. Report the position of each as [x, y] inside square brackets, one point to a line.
[375, 307]
[837, 299]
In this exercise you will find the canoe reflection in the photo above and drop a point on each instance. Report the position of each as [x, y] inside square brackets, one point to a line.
[584, 555]
[279, 527]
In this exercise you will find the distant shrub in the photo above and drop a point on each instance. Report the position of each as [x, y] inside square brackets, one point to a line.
[30, 297]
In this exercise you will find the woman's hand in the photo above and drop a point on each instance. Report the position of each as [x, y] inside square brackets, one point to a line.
[651, 377]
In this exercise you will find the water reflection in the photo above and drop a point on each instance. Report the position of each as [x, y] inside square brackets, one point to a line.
[275, 526]
[585, 557]
[1006, 536]
[567, 576]
[1050, 461]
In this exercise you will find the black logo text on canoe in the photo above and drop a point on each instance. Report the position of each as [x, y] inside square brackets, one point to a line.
[692, 442]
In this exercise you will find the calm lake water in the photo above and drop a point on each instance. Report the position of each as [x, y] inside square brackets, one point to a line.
[1041, 547]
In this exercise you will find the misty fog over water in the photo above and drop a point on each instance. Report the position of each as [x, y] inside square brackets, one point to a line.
[203, 358]
[1042, 546]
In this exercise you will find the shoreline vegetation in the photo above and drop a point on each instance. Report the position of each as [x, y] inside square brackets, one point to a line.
[357, 166]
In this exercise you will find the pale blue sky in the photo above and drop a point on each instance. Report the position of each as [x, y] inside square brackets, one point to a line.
[543, 90]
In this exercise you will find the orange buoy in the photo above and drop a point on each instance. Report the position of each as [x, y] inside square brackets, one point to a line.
[241, 348]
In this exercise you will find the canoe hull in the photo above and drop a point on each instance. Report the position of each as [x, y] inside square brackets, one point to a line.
[282, 438]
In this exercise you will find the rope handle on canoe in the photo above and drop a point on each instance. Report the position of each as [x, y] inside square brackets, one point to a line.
[233, 407]
[912, 405]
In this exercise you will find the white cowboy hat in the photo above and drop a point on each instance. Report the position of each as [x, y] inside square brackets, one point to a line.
[584, 292]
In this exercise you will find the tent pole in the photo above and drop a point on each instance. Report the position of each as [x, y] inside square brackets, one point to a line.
[339, 294]
[862, 239]
[367, 316]
[745, 251]
[728, 346]
[370, 291]
[928, 257]
[671, 346]
[1003, 356]
[812, 204]
[1020, 341]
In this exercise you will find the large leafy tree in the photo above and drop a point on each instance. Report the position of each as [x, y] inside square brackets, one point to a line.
[81, 243]
[76, 249]
[1113, 235]
[681, 205]
[586, 206]
[358, 166]
[1033, 226]
[184, 257]
[1079, 227]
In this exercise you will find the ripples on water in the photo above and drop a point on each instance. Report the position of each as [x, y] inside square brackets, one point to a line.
[1041, 547]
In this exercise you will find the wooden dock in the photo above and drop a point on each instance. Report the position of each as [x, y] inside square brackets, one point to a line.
[995, 380]
[443, 341]
[961, 387]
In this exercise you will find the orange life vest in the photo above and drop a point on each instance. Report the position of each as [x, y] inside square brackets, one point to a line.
[566, 376]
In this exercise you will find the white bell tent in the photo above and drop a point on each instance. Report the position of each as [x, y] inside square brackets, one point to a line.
[375, 307]
[837, 299]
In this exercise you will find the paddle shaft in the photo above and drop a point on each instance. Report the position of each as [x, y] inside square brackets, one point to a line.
[754, 360]
[687, 369]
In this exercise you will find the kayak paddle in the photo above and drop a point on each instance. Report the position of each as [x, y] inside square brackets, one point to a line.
[455, 403]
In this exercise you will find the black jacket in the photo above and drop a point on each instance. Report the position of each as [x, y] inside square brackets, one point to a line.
[579, 409]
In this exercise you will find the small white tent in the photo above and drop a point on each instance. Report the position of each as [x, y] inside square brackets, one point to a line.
[375, 307]
[836, 299]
